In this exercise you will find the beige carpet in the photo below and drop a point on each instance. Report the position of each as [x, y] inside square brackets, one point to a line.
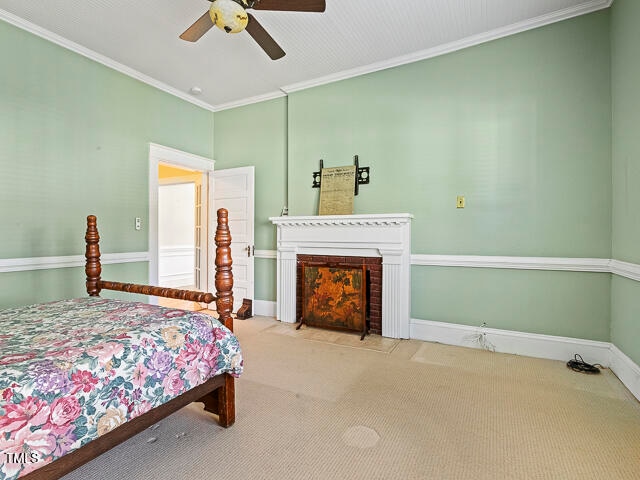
[315, 408]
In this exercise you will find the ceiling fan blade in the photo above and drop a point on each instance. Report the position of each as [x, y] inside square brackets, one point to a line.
[291, 5]
[262, 37]
[198, 29]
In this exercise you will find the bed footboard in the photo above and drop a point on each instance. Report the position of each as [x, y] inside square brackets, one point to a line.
[217, 393]
[223, 277]
[220, 401]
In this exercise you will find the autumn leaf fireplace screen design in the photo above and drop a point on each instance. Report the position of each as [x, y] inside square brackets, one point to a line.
[334, 297]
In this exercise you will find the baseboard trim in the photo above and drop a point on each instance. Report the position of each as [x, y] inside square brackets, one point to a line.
[626, 370]
[506, 341]
[264, 308]
[532, 345]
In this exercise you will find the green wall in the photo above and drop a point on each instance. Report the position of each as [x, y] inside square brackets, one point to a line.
[520, 126]
[625, 72]
[38, 286]
[567, 304]
[257, 135]
[74, 140]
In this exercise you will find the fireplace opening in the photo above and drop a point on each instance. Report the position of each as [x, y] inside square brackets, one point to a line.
[371, 268]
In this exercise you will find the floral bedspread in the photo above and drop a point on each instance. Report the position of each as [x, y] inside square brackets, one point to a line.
[73, 370]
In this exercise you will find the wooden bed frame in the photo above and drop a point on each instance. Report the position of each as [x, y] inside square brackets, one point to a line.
[217, 393]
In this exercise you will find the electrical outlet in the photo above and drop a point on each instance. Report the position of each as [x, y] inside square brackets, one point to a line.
[138, 223]
[460, 201]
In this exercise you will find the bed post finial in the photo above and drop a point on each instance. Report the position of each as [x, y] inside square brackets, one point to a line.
[224, 278]
[92, 268]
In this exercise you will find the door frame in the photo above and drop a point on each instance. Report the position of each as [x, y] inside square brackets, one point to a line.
[161, 154]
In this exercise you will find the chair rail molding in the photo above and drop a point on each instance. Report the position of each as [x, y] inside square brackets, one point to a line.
[45, 263]
[570, 264]
[626, 269]
[520, 263]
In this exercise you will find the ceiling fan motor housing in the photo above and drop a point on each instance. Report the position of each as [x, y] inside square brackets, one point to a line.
[231, 16]
[228, 15]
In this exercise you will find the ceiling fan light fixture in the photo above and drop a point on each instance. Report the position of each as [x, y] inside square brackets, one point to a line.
[228, 15]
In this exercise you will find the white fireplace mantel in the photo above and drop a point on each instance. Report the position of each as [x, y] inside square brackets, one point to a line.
[381, 235]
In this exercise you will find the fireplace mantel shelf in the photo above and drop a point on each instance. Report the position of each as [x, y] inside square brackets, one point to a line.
[386, 235]
[323, 220]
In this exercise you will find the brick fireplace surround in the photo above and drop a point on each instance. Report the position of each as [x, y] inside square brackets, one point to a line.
[385, 237]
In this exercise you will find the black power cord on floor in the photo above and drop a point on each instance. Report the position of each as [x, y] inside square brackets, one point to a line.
[579, 365]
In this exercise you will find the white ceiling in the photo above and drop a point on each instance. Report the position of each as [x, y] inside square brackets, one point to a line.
[352, 37]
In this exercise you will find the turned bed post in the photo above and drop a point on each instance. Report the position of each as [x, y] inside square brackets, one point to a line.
[93, 268]
[223, 402]
[224, 277]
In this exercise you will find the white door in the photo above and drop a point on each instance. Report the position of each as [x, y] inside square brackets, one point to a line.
[233, 190]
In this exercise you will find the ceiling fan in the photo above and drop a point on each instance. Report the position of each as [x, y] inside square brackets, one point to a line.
[232, 17]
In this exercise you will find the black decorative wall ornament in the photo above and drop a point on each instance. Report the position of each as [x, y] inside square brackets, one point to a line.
[362, 175]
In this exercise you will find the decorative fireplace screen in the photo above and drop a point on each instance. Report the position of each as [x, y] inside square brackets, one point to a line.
[335, 297]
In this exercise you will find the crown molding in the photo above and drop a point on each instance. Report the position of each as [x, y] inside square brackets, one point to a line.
[467, 42]
[451, 47]
[471, 41]
[104, 60]
[249, 101]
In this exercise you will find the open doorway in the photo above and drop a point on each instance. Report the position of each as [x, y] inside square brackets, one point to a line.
[180, 228]
[179, 196]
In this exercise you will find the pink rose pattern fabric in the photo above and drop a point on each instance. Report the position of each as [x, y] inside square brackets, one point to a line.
[73, 370]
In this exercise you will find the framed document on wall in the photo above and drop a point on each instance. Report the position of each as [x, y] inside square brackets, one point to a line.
[337, 190]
